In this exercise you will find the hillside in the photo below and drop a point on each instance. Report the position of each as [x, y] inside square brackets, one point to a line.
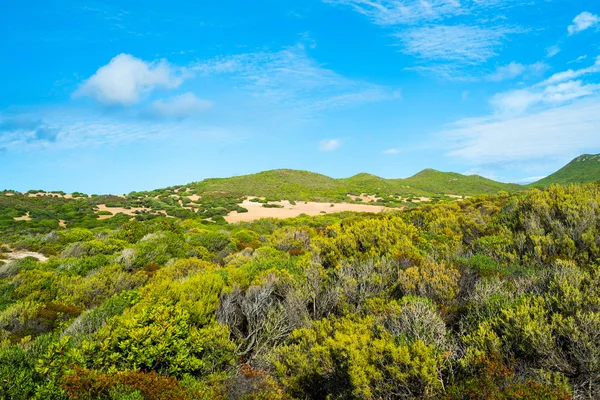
[432, 181]
[583, 169]
[304, 185]
[279, 183]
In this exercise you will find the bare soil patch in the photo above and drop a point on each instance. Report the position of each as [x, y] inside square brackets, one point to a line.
[364, 197]
[25, 217]
[127, 211]
[257, 211]
[20, 254]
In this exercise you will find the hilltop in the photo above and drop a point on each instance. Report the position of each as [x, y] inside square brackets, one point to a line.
[305, 185]
[583, 169]
[432, 181]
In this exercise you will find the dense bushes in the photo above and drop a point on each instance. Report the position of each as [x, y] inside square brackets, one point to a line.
[487, 298]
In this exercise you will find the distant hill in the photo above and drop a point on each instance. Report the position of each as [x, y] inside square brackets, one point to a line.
[305, 185]
[583, 169]
[432, 181]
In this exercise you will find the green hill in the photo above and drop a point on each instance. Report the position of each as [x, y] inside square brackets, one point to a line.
[277, 184]
[304, 185]
[432, 181]
[583, 169]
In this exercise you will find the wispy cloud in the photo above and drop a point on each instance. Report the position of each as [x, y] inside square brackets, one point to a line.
[125, 79]
[572, 74]
[552, 51]
[71, 129]
[556, 117]
[329, 144]
[515, 70]
[393, 151]
[427, 30]
[291, 78]
[393, 12]
[461, 43]
[27, 129]
[182, 106]
[578, 59]
[583, 21]
[565, 130]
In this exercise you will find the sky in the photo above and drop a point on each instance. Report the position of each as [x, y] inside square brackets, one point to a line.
[120, 96]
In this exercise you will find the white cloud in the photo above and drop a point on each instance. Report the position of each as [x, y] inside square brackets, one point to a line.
[569, 129]
[572, 74]
[514, 70]
[519, 101]
[460, 43]
[551, 119]
[583, 21]
[552, 51]
[559, 89]
[125, 79]
[329, 144]
[182, 106]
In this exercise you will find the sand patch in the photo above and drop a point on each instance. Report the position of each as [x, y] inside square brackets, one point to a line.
[454, 196]
[421, 200]
[20, 254]
[194, 197]
[257, 211]
[25, 217]
[9, 194]
[364, 197]
[187, 207]
[127, 211]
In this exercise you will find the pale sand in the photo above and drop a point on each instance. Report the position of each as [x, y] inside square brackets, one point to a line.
[20, 254]
[117, 210]
[9, 194]
[257, 211]
[364, 197]
[62, 223]
[194, 197]
[25, 217]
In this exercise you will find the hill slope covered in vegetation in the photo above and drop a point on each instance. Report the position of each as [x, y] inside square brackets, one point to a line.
[583, 169]
[304, 185]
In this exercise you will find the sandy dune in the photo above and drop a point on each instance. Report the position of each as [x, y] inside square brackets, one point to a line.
[257, 211]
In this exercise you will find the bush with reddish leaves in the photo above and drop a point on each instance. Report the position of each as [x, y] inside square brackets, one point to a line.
[82, 384]
[491, 379]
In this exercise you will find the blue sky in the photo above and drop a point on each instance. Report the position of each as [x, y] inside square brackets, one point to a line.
[116, 96]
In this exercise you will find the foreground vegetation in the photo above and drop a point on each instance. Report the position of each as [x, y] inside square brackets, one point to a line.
[493, 297]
